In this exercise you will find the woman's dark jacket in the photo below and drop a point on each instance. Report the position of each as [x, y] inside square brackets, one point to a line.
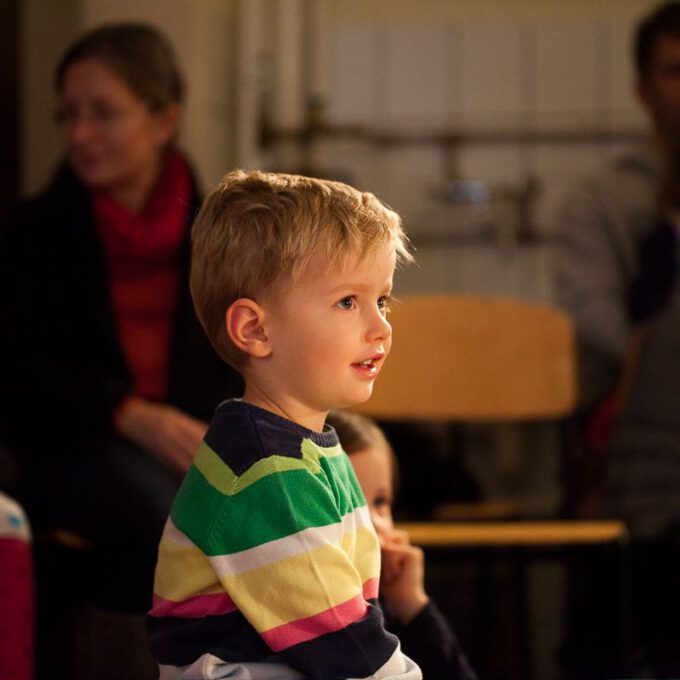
[62, 369]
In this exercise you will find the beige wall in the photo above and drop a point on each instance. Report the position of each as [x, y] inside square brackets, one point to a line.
[231, 52]
[47, 28]
[372, 10]
[471, 67]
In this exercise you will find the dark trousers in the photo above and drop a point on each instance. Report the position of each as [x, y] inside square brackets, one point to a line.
[117, 498]
[590, 652]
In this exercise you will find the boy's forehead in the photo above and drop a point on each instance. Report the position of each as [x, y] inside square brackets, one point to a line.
[376, 261]
[373, 267]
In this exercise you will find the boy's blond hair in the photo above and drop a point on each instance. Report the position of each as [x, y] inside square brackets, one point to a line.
[257, 232]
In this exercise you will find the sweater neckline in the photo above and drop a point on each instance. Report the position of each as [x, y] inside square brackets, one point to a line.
[327, 439]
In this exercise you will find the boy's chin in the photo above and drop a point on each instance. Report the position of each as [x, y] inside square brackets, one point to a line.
[356, 400]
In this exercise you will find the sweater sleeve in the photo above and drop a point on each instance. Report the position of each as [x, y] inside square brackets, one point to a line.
[297, 559]
[430, 642]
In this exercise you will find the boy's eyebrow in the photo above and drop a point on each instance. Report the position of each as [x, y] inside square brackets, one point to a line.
[357, 286]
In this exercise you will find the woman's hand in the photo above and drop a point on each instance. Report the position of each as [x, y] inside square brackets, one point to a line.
[402, 580]
[164, 431]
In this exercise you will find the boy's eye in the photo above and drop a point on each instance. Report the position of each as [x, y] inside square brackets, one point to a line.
[384, 303]
[347, 302]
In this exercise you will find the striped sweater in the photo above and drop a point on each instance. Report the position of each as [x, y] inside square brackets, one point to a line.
[269, 556]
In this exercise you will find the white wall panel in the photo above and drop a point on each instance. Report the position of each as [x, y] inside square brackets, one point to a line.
[494, 73]
[355, 85]
[567, 70]
[423, 73]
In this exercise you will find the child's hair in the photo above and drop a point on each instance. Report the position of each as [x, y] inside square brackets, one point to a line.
[257, 232]
[357, 433]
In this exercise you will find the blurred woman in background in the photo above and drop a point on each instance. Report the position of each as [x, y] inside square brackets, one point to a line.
[109, 376]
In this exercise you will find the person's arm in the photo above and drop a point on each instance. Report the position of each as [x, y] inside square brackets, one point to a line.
[163, 431]
[302, 573]
[425, 635]
[591, 283]
[429, 641]
[654, 282]
[590, 280]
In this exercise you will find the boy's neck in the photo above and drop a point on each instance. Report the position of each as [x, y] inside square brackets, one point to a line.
[280, 406]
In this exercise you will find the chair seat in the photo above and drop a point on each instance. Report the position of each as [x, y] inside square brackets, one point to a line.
[525, 533]
[477, 511]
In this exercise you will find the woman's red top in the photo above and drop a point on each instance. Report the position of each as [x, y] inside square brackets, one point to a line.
[142, 254]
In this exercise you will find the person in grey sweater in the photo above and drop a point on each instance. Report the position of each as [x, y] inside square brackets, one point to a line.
[618, 239]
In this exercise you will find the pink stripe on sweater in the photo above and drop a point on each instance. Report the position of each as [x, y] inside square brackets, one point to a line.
[194, 607]
[328, 621]
[371, 589]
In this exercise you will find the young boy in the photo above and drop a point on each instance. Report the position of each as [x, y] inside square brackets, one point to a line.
[269, 565]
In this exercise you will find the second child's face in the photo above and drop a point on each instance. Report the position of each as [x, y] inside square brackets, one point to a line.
[329, 336]
[373, 469]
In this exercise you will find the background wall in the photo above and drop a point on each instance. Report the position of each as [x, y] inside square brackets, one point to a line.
[555, 76]
[423, 67]
[48, 27]
[520, 97]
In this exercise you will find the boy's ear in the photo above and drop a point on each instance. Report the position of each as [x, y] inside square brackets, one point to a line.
[245, 319]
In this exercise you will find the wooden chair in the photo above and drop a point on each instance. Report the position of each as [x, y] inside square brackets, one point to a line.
[474, 359]
[479, 359]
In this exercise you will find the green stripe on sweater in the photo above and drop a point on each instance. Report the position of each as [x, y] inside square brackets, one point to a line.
[289, 497]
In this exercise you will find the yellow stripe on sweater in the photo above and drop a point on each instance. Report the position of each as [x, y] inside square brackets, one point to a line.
[303, 585]
[183, 572]
[221, 477]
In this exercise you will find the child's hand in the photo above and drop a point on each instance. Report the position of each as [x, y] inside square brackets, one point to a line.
[402, 584]
[164, 431]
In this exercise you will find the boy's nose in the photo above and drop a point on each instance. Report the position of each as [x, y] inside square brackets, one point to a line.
[380, 328]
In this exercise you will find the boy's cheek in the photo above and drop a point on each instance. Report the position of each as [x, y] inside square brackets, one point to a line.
[388, 344]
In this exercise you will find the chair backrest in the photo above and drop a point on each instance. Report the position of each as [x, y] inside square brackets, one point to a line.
[476, 358]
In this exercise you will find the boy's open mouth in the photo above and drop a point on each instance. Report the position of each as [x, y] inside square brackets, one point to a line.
[369, 366]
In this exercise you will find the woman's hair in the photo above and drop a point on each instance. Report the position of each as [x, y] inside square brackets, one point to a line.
[357, 433]
[138, 53]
